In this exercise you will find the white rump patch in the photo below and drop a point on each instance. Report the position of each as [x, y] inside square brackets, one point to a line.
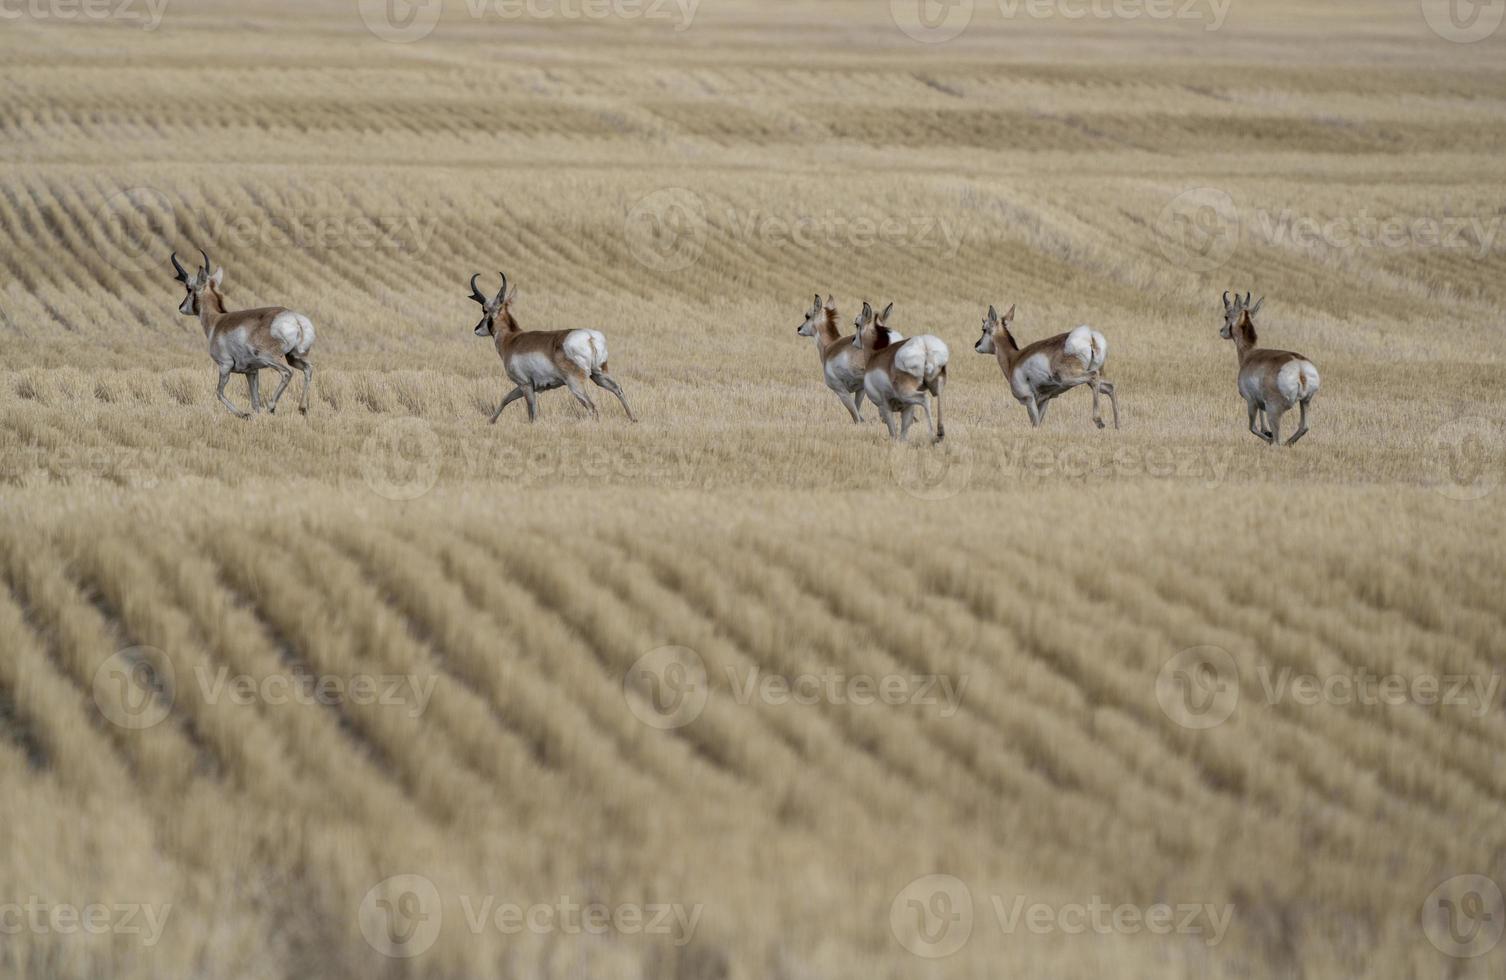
[586, 348]
[922, 357]
[1297, 380]
[1088, 346]
[293, 331]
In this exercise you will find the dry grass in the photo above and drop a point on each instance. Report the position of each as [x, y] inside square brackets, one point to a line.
[523, 571]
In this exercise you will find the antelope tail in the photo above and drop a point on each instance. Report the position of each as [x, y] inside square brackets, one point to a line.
[940, 384]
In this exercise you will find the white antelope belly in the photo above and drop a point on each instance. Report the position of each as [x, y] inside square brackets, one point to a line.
[534, 370]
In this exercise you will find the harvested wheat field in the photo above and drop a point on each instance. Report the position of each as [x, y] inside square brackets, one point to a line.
[745, 690]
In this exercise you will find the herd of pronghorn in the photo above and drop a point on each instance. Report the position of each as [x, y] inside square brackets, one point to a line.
[893, 372]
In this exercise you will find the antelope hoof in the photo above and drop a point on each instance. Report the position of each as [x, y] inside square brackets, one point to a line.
[1099, 423]
[303, 409]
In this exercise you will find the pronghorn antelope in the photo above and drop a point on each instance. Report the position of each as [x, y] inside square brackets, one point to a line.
[842, 363]
[898, 375]
[1271, 381]
[1047, 368]
[539, 360]
[245, 341]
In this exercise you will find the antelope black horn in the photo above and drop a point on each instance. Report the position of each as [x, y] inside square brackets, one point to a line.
[207, 266]
[1247, 299]
[502, 293]
[182, 272]
[476, 293]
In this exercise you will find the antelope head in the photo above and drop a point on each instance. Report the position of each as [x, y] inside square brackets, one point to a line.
[995, 329]
[196, 283]
[875, 326]
[498, 306]
[1239, 316]
[818, 314]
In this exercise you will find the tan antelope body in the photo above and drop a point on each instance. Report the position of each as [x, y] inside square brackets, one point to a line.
[1047, 368]
[1270, 381]
[246, 341]
[842, 361]
[541, 360]
[898, 375]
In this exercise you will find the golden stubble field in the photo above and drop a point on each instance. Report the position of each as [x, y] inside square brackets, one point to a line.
[744, 690]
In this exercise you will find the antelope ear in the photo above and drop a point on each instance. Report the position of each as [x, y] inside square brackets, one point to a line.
[818, 301]
[1256, 308]
[867, 312]
[218, 277]
[1227, 305]
[993, 314]
[831, 304]
[512, 294]
[1009, 313]
[887, 310]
